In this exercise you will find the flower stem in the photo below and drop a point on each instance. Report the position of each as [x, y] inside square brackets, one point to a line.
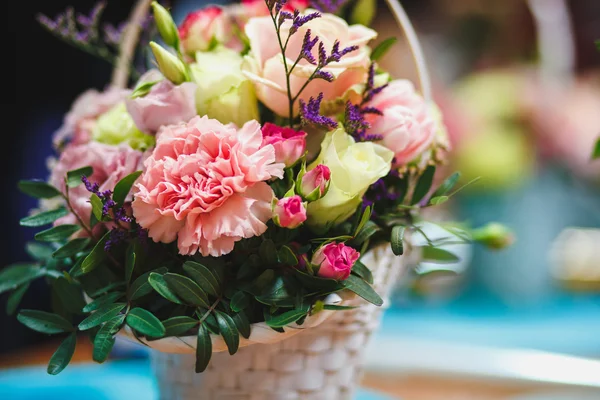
[211, 309]
[285, 65]
[70, 207]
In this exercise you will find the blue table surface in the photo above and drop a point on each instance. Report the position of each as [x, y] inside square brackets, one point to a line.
[115, 380]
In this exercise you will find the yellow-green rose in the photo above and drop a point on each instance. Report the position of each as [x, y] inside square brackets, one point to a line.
[354, 167]
[224, 93]
[116, 126]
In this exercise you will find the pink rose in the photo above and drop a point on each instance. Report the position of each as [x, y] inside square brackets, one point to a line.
[314, 183]
[80, 120]
[407, 125]
[289, 212]
[200, 28]
[204, 186]
[110, 163]
[265, 68]
[289, 144]
[335, 260]
[165, 104]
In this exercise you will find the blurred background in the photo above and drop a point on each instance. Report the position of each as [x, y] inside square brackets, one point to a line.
[518, 82]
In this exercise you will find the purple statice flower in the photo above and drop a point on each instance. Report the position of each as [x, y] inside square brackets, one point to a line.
[329, 6]
[116, 236]
[47, 22]
[112, 34]
[121, 215]
[308, 45]
[300, 20]
[370, 89]
[356, 125]
[325, 75]
[90, 187]
[337, 54]
[311, 113]
[107, 202]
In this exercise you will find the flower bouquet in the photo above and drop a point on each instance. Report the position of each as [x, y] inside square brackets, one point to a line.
[261, 182]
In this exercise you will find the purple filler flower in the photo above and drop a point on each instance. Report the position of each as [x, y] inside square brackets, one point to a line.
[311, 113]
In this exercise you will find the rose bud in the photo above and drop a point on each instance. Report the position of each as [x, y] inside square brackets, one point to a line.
[335, 261]
[313, 185]
[289, 212]
[289, 144]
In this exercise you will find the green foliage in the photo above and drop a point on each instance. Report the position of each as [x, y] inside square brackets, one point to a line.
[203, 349]
[229, 331]
[177, 326]
[363, 289]
[74, 177]
[363, 12]
[206, 279]
[72, 248]
[38, 189]
[596, 151]
[15, 298]
[103, 301]
[397, 240]
[96, 256]
[16, 275]
[57, 233]
[144, 322]
[362, 271]
[44, 218]
[63, 355]
[382, 48]
[423, 185]
[101, 315]
[159, 284]
[123, 187]
[70, 295]
[97, 206]
[438, 255]
[287, 318]
[187, 290]
[44, 322]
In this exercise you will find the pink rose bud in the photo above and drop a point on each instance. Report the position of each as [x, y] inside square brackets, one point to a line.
[289, 144]
[203, 28]
[314, 184]
[335, 260]
[289, 212]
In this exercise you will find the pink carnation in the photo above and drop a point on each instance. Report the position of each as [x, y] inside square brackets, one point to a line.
[110, 163]
[80, 120]
[289, 144]
[335, 260]
[204, 185]
[406, 125]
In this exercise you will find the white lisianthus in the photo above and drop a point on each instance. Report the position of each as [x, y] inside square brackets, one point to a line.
[354, 167]
[224, 93]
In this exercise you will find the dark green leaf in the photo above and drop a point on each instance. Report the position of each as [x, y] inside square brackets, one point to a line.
[382, 48]
[447, 185]
[315, 283]
[229, 331]
[72, 247]
[203, 349]
[335, 307]
[364, 218]
[596, 151]
[96, 256]
[101, 315]
[438, 255]
[187, 290]
[361, 270]
[363, 289]
[62, 356]
[239, 301]
[70, 295]
[243, 324]
[108, 288]
[57, 233]
[97, 206]
[44, 218]
[44, 322]
[75, 270]
[15, 298]
[177, 326]
[287, 256]
[369, 229]
[141, 287]
[130, 262]
[363, 12]
[145, 323]
[160, 285]
[203, 277]
[103, 301]
[423, 185]
[39, 251]
[105, 338]
[124, 186]
[286, 318]
[278, 293]
[74, 176]
[397, 240]
[268, 252]
[16, 275]
[38, 189]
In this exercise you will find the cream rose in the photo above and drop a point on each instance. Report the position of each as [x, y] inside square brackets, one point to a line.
[354, 167]
[264, 65]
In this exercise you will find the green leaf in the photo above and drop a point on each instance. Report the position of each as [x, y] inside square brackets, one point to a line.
[243, 324]
[63, 355]
[203, 277]
[39, 251]
[75, 271]
[596, 151]
[279, 293]
[447, 185]
[108, 288]
[363, 12]
[143, 88]
[286, 318]
[15, 298]
[57, 233]
[239, 301]
[96, 256]
[203, 349]
[16, 275]
[44, 218]
[103, 301]
[397, 240]
[159, 284]
[101, 315]
[38, 189]
[179, 325]
[229, 331]
[363, 289]
[382, 48]
[74, 176]
[105, 338]
[287, 256]
[316, 283]
[187, 290]
[335, 307]
[438, 255]
[97, 206]
[145, 323]
[123, 187]
[423, 185]
[369, 229]
[44, 322]
[436, 201]
[70, 295]
[361, 270]
[364, 218]
[141, 287]
[268, 252]
[72, 247]
[129, 262]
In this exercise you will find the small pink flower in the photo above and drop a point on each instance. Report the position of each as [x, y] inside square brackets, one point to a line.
[289, 144]
[200, 28]
[335, 260]
[314, 183]
[110, 164]
[80, 120]
[204, 186]
[289, 212]
[165, 104]
[407, 125]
